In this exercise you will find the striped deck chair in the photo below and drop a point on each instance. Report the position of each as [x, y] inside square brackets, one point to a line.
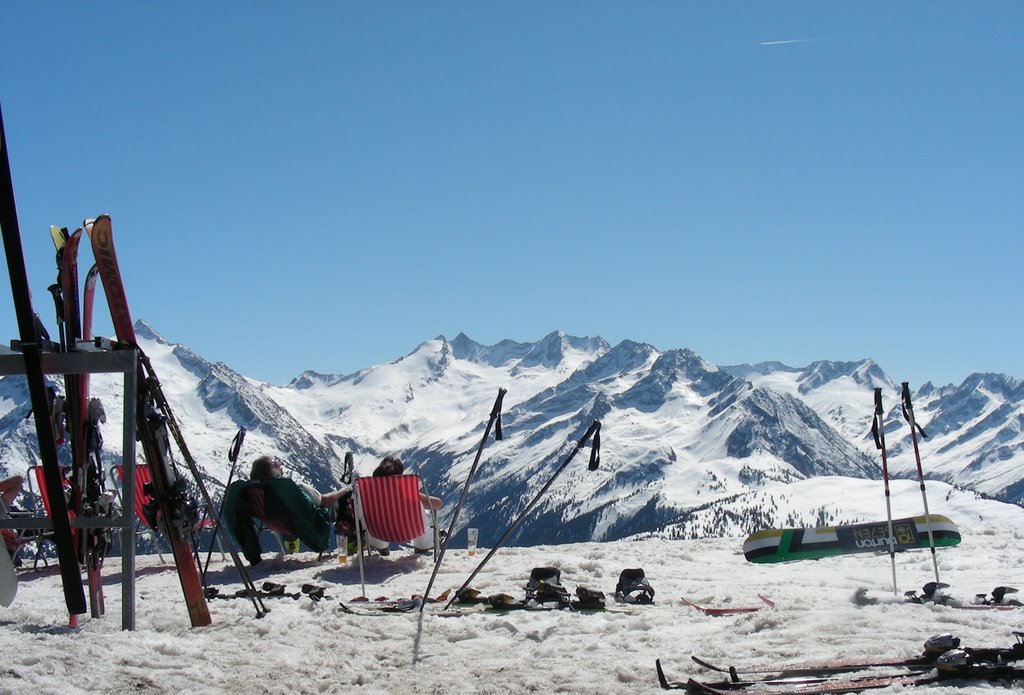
[35, 473]
[142, 527]
[16, 539]
[389, 509]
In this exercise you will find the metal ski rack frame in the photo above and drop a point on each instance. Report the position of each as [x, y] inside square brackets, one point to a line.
[92, 357]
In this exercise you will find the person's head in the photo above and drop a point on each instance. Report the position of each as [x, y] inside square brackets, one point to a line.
[391, 465]
[265, 468]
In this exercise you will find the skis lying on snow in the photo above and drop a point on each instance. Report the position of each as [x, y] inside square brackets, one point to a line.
[315, 592]
[933, 648]
[728, 610]
[932, 594]
[942, 660]
[788, 544]
[384, 605]
[825, 686]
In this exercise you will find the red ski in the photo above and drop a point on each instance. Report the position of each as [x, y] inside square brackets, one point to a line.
[152, 428]
[730, 610]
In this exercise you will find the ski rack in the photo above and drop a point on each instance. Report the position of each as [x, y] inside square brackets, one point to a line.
[95, 357]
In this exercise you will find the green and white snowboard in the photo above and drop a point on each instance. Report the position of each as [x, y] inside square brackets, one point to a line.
[789, 544]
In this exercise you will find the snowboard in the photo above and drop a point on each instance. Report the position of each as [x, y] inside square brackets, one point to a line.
[8, 579]
[789, 544]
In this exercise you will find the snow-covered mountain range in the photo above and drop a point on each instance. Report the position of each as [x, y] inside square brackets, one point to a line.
[688, 448]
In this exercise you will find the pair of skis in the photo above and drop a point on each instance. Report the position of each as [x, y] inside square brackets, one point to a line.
[942, 660]
[74, 322]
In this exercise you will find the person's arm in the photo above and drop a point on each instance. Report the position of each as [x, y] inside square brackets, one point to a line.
[329, 498]
[429, 502]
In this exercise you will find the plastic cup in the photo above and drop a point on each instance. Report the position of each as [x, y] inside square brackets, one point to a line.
[472, 535]
[342, 550]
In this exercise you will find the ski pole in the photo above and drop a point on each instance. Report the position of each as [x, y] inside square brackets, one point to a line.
[908, 413]
[348, 469]
[878, 430]
[595, 457]
[493, 421]
[236, 446]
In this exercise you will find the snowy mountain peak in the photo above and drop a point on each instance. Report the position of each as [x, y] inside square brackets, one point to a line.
[557, 348]
[310, 379]
[997, 384]
[143, 331]
[744, 371]
[465, 348]
[863, 372]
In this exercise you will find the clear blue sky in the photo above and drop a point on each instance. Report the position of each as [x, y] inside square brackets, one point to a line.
[326, 185]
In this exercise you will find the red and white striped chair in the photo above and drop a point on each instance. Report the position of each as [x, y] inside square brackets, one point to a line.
[389, 509]
[142, 526]
[35, 473]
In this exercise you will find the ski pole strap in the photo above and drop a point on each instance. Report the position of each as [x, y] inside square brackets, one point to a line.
[496, 414]
[595, 450]
[236, 445]
[908, 409]
[346, 474]
[878, 416]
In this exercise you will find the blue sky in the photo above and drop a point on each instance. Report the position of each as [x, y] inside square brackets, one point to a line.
[326, 185]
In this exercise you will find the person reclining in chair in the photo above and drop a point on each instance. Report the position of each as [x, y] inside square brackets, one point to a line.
[268, 468]
[10, 488]
[296, 510]
[392, 465]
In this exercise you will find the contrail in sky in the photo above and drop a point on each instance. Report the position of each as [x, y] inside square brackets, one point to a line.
[779, 43]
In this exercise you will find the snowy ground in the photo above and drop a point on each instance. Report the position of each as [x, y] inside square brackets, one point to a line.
[304, 646]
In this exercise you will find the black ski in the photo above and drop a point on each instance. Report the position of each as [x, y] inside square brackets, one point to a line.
[934, 647]
[942, 659]
[830, 686]
[74, 594]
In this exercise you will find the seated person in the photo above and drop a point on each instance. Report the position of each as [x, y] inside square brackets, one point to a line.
[296, 511]
[15, 539]
[10, 488]
[392, 465]
[268, 468]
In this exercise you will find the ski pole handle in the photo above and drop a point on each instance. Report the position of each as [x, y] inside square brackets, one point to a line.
[496, 414]
[879, 412]
[349, 468]
[236, 445]
[908, 410]
[595, 451]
